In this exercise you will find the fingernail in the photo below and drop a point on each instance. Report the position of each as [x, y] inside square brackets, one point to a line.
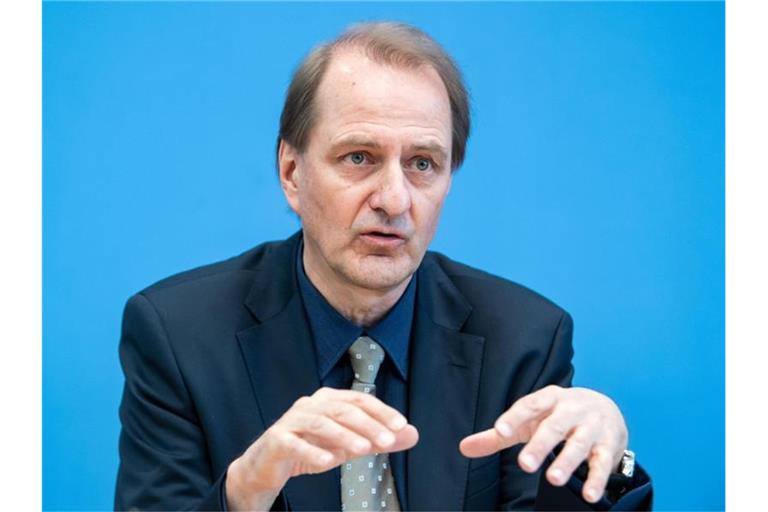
[528, 461]
[385, 439]
[360, 445]
[557, 475]
[324, 458]
[504, 429]
[591, 494]
[398, 423]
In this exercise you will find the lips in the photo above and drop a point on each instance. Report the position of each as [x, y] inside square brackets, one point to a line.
[383, 238]
[386, 234]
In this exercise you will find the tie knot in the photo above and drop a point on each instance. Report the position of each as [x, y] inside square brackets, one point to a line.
[366, 356]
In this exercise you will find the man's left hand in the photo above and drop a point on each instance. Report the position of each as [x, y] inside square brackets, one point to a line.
[590, 423]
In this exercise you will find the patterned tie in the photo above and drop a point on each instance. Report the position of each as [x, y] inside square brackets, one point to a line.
[366, 482]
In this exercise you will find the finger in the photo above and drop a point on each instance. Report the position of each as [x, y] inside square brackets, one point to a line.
[550, 431]
[600, 466]
[377, 409]
[310, 458]
[358, 420]
[329, 433]
[483, 443]
[517, 423]
[405, 439]
[576, 450]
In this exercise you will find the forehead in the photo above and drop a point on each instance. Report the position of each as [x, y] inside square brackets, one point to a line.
[357, 92]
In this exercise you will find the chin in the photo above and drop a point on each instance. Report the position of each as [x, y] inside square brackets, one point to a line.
[379, 275]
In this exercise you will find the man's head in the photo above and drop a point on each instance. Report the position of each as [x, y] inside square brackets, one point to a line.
[373, 126]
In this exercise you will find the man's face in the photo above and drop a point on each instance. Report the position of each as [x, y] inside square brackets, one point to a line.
[370, 186]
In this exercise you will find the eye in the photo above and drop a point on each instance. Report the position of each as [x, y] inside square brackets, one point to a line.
[423, 164]
[356, 158]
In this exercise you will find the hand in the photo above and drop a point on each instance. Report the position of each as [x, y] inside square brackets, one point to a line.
[589, 422]
[316, 434]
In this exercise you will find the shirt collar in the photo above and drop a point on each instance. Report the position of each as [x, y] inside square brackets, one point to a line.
[333, 334]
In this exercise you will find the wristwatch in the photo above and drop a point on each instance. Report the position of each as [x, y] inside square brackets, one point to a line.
[627, 464]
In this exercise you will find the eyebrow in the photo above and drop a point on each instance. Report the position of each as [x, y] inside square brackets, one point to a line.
[430, 147]
[356, 141]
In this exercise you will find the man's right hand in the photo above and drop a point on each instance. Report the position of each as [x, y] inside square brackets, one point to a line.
[317, 433]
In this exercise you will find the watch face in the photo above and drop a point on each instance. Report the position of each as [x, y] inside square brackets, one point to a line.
[628, 463]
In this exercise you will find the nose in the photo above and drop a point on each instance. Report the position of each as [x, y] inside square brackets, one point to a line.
[392, 194]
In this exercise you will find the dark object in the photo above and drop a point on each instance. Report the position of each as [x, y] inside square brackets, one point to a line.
[215, 355]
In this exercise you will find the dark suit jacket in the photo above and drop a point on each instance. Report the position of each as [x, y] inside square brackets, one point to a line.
[212, 357]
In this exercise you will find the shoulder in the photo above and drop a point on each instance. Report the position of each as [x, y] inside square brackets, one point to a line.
[527, 337]
[490, 295]
[246, 262]
[224, 282]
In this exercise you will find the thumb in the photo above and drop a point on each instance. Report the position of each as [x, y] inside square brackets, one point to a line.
[486, 443]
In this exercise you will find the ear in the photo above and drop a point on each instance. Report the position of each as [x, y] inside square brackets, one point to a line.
[288, 167]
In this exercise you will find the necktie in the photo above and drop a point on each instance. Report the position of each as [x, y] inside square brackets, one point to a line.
[366, 482]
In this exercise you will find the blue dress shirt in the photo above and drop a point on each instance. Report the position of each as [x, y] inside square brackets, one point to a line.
[333, 335]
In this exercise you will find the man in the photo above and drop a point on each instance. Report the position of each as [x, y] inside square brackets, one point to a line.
[347, 368]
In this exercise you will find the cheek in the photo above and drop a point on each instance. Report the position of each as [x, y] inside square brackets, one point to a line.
[315, 193]
[331, 206]
[427, 212]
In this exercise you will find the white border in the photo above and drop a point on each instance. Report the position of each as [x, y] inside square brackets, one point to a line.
[746, 254]
[20, 254]
[20, 257]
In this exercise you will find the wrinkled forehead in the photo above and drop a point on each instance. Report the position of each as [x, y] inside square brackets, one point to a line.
[356, 88]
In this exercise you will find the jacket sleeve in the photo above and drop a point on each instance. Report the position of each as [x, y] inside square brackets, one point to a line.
[558, 370]
[636, 495]
[163, 454]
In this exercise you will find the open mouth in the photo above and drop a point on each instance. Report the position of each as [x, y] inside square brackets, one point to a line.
[381, 239]
[380, 234]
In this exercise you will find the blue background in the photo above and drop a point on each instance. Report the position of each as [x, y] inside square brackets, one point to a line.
[595, 175]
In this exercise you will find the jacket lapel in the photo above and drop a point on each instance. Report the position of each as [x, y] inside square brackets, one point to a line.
[280, 358]
[444, 378]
